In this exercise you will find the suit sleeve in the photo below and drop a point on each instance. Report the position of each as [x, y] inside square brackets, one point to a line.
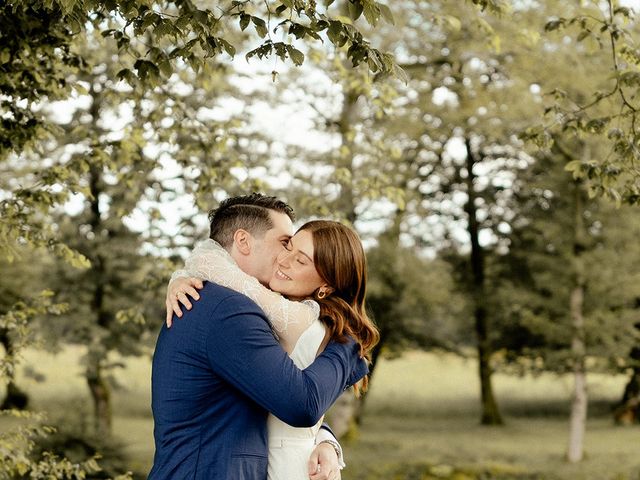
[244, 352]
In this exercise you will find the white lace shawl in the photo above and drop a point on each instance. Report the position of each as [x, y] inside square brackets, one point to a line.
[210, 261]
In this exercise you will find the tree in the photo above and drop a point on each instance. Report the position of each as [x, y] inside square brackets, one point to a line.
[382, 153]
[414, 300]
[154, 41]
[628, 409]
[566, 293]
[47, 29]
[599, 30]
[20, 277]
[457, 162]
[119, 146]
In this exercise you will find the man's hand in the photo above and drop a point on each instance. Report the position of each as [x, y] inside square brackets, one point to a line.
[177, 292]
[323, 463]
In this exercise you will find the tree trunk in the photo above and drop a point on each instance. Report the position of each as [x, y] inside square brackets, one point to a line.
[101, 396]
[579, 402]
[375, 356]
[490, 412]
[98, 387]
[346, 414]
[627, 411]
[345, 127]
[15, 398]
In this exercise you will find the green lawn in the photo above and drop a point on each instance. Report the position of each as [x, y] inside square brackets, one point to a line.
[423, 409]
[421, 421]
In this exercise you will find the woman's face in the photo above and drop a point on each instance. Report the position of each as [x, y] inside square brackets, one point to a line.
[295, 275]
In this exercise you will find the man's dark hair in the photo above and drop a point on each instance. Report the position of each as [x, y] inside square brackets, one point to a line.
[247, 212]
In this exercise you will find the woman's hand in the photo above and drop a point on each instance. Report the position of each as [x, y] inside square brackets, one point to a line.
[323, 463]
[177, 292]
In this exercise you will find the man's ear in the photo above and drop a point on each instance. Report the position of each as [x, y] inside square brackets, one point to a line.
[242, 241]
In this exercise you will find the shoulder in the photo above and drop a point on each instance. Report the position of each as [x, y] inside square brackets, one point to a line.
[215, 295]
[227, 312]
[210, 246]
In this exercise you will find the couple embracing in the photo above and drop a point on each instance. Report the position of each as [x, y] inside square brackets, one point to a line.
[277, 331]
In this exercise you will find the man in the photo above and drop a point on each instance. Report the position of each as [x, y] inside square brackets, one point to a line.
[219, 371]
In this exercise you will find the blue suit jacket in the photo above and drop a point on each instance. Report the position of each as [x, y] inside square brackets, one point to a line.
[217, 372]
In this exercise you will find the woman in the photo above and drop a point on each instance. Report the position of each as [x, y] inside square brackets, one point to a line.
[317, 294]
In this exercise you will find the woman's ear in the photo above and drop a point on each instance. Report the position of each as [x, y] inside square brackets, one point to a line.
[242, 241]
[326, 290]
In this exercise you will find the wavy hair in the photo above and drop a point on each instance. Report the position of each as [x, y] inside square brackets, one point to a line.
[340, 261]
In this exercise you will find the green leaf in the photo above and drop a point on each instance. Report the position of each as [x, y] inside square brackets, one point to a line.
[297, 56]
[355, 9]
[625, 11]
[454, 23]
[150, 19]
[201, 17]
[597, 125]
[281, 50]
[261, 26]
[583, 34]
[575, 167]
[336, 34]
[147, 71]
[386, 14]
[230, 49]
[163, 28]
[298, 30]
[244, 21]
[554, 25]
[374, 61]
[371, 13]
[127, 75]
[183, 21]
[630, 78]
[165, 67]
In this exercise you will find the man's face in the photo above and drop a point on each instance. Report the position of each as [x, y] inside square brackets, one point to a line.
[266, 249]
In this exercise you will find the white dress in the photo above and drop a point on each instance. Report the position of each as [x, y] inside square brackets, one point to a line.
[290, 447]
[299, 330]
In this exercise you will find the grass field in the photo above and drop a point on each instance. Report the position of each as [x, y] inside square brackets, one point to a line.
[421, 421]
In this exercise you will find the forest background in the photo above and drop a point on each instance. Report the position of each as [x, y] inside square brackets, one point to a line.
[486, 151]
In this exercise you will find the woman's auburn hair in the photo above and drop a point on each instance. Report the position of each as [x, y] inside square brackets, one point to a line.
[340, 261]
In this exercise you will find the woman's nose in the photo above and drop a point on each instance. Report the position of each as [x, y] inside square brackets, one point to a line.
[283, 258]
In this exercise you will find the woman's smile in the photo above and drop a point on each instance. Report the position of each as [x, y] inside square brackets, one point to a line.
[281, 275]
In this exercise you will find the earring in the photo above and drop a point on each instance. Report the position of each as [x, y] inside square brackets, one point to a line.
[321, 294]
